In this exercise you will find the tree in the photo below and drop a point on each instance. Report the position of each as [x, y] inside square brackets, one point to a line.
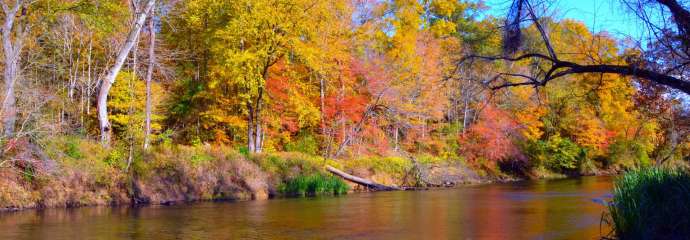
[493, 137]
[671, 45]
[259, 36]
[149, 76]
[107, 82]
[14, 31]
[244, 47]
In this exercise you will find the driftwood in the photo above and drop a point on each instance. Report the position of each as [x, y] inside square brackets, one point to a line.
[361, 181]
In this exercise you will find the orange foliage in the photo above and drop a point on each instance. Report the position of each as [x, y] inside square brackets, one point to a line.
[492, 137]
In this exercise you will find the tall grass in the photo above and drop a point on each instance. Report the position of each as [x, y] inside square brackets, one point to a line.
[651, 203]
[311, 185]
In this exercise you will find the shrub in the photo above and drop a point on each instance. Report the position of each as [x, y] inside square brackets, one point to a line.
[195, 173]
[115, 157]
[289, 165]
[628, 154]
[72, 149]
[651, 203]
[556, 153]
[244, 151]
[395, 167]
[305, 143]
[311, 185]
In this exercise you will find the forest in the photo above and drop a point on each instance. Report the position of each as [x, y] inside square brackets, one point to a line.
[128, 101]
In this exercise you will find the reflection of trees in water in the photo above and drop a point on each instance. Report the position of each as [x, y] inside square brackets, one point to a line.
[523, 210]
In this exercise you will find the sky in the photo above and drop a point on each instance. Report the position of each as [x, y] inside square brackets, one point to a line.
[598, 15]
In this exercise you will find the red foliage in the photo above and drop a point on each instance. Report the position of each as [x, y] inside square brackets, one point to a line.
[350, 93]
[277, 87]
[492, 137]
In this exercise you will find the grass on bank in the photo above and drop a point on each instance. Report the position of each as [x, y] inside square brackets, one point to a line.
[313, 185]
[652, 203]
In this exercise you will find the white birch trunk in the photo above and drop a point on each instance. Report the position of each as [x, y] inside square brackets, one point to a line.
[149, 76]
[11, 49]
[107, 83]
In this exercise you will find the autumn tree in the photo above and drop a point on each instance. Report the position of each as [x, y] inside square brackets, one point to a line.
[107, 82]
[149, 77]
[15, 29]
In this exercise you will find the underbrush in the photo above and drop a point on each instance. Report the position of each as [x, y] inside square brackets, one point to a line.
[651, 203]
[384, 170]
[189, 173]
[72, 171]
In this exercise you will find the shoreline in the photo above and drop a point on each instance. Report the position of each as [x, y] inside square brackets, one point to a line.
[133, 204]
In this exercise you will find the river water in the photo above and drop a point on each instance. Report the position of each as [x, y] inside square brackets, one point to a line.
[557, 209]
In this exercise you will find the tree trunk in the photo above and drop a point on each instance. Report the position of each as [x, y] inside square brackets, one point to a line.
[250, 129]
[257, 121]
[149, 75]
[396, 137]
[11, 50]
[361, 181]
[89, 76]
[9, 105]
[464, 116]
[107, 83]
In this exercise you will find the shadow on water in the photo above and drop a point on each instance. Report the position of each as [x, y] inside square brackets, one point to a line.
[558, 209]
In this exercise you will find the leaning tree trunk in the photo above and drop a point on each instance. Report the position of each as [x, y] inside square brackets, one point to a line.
[107, 83]
[361, 181]
[11, 50]
[149, 75]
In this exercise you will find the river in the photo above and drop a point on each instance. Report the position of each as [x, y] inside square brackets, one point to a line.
[556, 209]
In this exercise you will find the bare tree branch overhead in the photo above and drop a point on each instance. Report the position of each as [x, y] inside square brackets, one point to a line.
[664, 61]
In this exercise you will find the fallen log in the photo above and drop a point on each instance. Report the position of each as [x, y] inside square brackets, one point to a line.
[361, 181]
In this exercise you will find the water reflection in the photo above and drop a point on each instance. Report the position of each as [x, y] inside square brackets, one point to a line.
[562, 209]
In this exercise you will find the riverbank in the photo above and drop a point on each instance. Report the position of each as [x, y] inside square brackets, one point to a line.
[73, 172]
[462, 212]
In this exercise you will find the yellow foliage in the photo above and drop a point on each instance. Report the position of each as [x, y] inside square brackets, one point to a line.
[127, 106]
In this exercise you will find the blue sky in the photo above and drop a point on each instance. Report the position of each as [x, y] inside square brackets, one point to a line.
[598, 15]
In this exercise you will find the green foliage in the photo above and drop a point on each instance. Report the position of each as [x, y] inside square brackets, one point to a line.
[312, 185]
[116, 157]
[165, 138]
[28, 173]
[629, 154]
[244, 150]
[451, 146]
[556, 153]
[431, 159]
[196, 141]
[98, 165]
[290, 165]
[651, 203]
[305, 143]
[199, 157]
[72, 149]
[396, 167]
